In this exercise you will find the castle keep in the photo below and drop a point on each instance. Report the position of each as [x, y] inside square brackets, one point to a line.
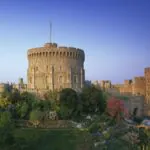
[51, 67]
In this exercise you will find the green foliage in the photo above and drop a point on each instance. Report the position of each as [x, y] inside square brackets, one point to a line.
[143, 137]
[46, 105]
[45, 139]
[36, 115]
[28, 97]
[5, 119]
[24, 110]
[4, 103]
[93, 128]
[69, 103]
[5, 93]
[51, 95]
[54, 106]
[69, 98]
[93, 100]
[14, 96]
[6, 138]
[65, 112]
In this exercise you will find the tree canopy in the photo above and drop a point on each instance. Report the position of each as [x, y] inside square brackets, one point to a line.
[93, 100]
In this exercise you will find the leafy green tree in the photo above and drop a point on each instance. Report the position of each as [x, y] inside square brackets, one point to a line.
[24, 110]
[54, 105]
[65, 112]
[28, 97]
[69, 102]
[93, 100]
[40, 105]
[14, 96]
[6, 92]
[45, 105]
[4, 103]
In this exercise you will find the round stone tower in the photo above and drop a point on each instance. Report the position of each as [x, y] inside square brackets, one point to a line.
[52, 67]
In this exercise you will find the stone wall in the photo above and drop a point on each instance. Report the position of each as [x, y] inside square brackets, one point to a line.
[136, 102]
[126, 88]
[138, 86]
[52, 67]
[103, 84]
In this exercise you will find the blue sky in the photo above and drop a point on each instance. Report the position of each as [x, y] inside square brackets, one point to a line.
[115, 35]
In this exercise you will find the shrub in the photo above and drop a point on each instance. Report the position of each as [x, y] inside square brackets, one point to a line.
[5, 119]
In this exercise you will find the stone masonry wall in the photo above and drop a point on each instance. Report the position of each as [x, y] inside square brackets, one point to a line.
[139, 86]
[52, 67]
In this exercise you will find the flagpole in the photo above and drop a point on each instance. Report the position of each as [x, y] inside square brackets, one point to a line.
[50, 32]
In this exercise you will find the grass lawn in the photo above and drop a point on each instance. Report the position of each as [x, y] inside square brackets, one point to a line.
[51, 139]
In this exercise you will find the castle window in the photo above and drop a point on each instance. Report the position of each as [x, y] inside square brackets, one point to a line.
[71, 54]
[46, 79]
[60, 79]
[75, 79]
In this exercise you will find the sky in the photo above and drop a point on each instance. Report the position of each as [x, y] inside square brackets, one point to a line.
[114, 34]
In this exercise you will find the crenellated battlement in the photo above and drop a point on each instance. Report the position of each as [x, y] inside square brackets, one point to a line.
[138, 79]
[147, 70]
[127, 82]
[51, 49]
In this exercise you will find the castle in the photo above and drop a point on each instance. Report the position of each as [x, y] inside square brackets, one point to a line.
[138, 89]
[53, 68]
[137, 86]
